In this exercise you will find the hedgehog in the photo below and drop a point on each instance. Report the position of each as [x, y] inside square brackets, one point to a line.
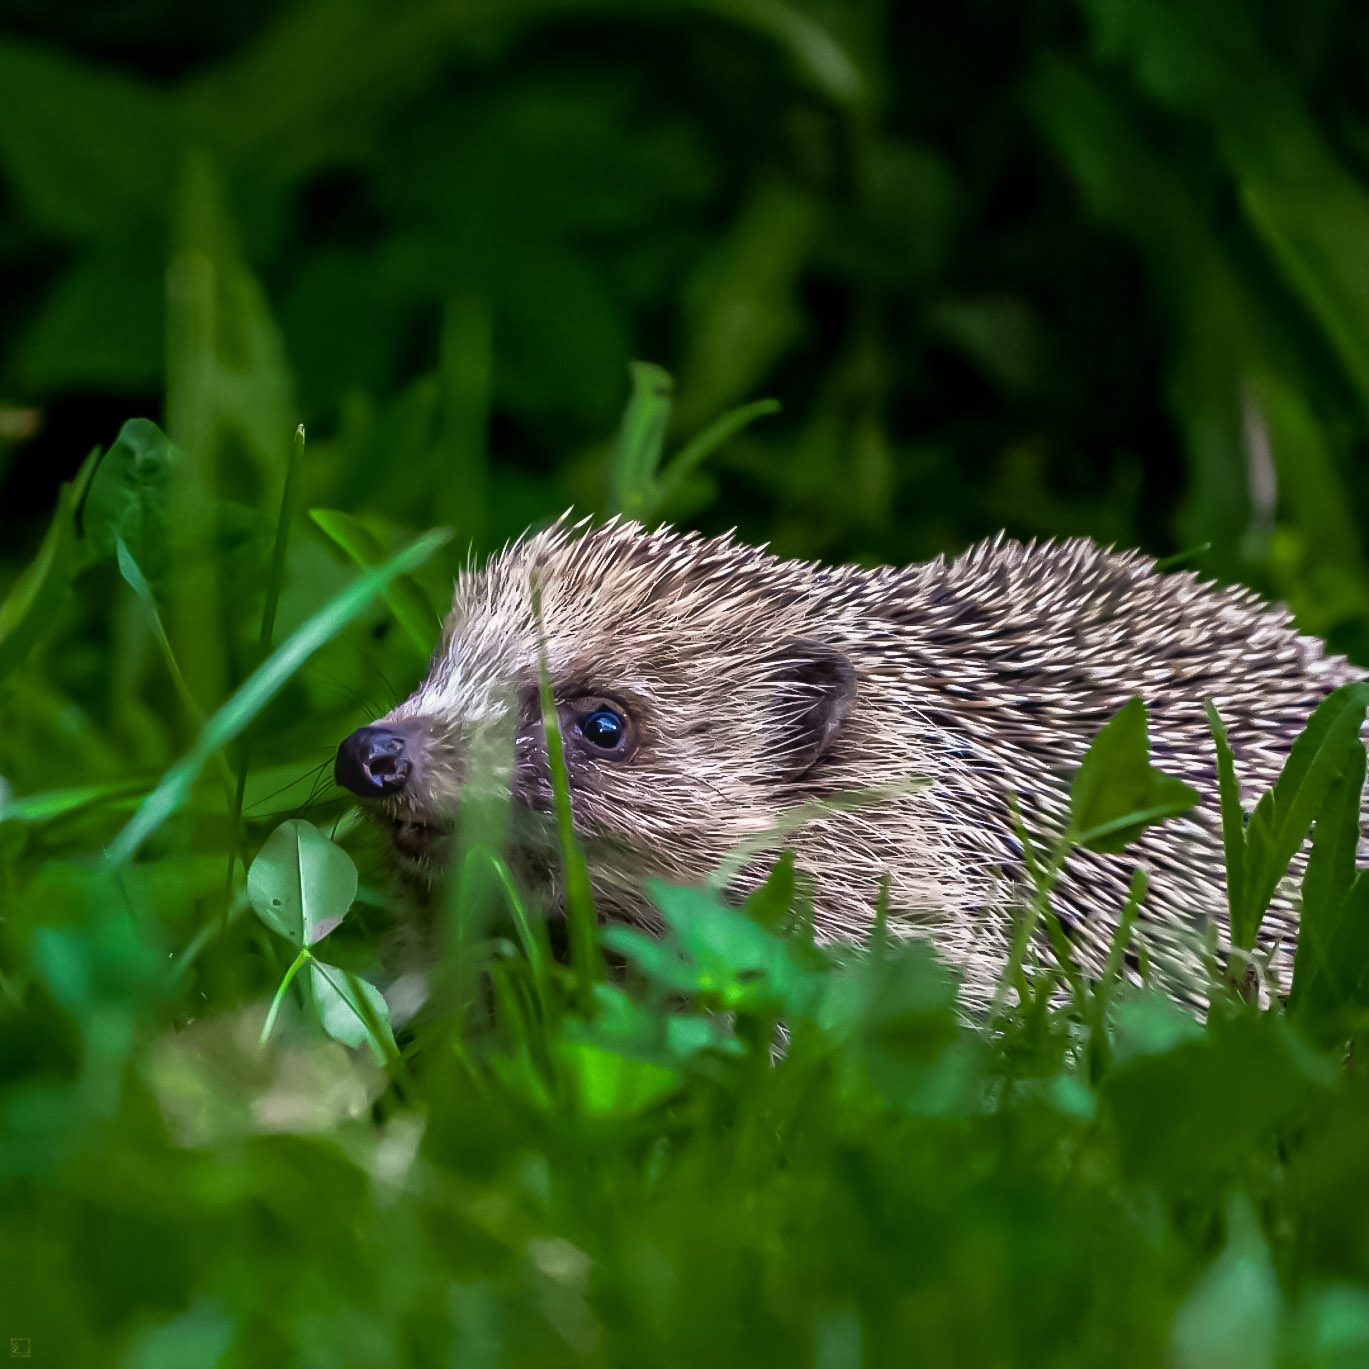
[720, 705]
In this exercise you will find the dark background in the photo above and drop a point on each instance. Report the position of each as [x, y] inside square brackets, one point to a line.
[1067, 268]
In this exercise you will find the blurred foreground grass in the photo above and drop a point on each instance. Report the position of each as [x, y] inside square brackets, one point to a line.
[215, 1151]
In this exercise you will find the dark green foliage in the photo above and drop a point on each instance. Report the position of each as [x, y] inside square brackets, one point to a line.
[1093, 267]
[1258, 851]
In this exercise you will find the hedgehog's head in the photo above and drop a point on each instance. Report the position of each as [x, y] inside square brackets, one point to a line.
[694, 700]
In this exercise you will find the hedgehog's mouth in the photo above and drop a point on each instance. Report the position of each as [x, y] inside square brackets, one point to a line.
[420, 838]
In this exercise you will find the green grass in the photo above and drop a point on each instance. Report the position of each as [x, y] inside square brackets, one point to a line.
[743, 1150]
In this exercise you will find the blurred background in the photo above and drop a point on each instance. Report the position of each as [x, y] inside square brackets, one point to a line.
[1062, 266]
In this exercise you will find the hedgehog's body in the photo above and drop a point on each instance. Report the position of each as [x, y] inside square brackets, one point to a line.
[749, 686]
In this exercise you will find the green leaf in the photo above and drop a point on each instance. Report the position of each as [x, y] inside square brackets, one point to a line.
[770, 904]
[1326, 884]
[1099, 1047]
[734, 963]
[623, 1023]
[1281, 819]
[607, 1084]
[1345, 977]
[129, 496]
[301, 884]
[1151, 1025]
[659, 959]
[260, 687]
[1117, 793]
[203, 1334]
[902, 998]
[352, 1010]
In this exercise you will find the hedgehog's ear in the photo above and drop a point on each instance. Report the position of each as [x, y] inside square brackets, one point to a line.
[814, 687]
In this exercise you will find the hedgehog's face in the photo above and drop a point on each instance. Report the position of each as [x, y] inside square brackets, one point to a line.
[693, 711]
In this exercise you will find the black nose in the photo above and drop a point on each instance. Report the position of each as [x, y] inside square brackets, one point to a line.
[371, 762]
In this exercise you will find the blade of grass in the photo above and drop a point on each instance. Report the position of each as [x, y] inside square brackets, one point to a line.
[637, 455]
[30, 608]
[532, 930]
[274, 580]
[260, 687]
[410, 606]
[1233, 822]
[51, 804]
[137, 582]
[683, 464]
[1064, 958]
[1043, 875]
[585, 957]
[1098, 1052]
[471, 896]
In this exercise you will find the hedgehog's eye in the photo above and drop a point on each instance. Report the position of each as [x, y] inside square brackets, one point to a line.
[603, 727]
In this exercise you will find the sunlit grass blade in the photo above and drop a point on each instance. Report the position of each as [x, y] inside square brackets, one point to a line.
[260, 687]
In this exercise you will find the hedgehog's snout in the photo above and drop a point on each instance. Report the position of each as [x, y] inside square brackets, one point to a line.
[373, 762]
